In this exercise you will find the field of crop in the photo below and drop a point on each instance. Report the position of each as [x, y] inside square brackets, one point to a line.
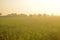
[30, 28]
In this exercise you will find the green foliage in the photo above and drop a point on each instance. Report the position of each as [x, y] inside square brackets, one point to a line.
[30, 28]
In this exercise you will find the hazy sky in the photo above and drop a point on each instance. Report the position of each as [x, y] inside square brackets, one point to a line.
[30, 6]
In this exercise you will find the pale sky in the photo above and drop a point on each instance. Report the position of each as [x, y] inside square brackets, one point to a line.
[30, 6]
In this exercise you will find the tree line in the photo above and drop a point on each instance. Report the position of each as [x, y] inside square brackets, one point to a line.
[15, 14]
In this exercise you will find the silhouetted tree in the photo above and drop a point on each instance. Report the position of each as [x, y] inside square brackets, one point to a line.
[39, 15]
[34, 15]
[44, 14]
[12, 14]
[0, 14]
[23, 15]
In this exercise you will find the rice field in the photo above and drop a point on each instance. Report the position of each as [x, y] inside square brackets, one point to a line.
[30, 28]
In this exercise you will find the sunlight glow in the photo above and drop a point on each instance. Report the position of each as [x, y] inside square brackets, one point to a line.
[30, 6]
